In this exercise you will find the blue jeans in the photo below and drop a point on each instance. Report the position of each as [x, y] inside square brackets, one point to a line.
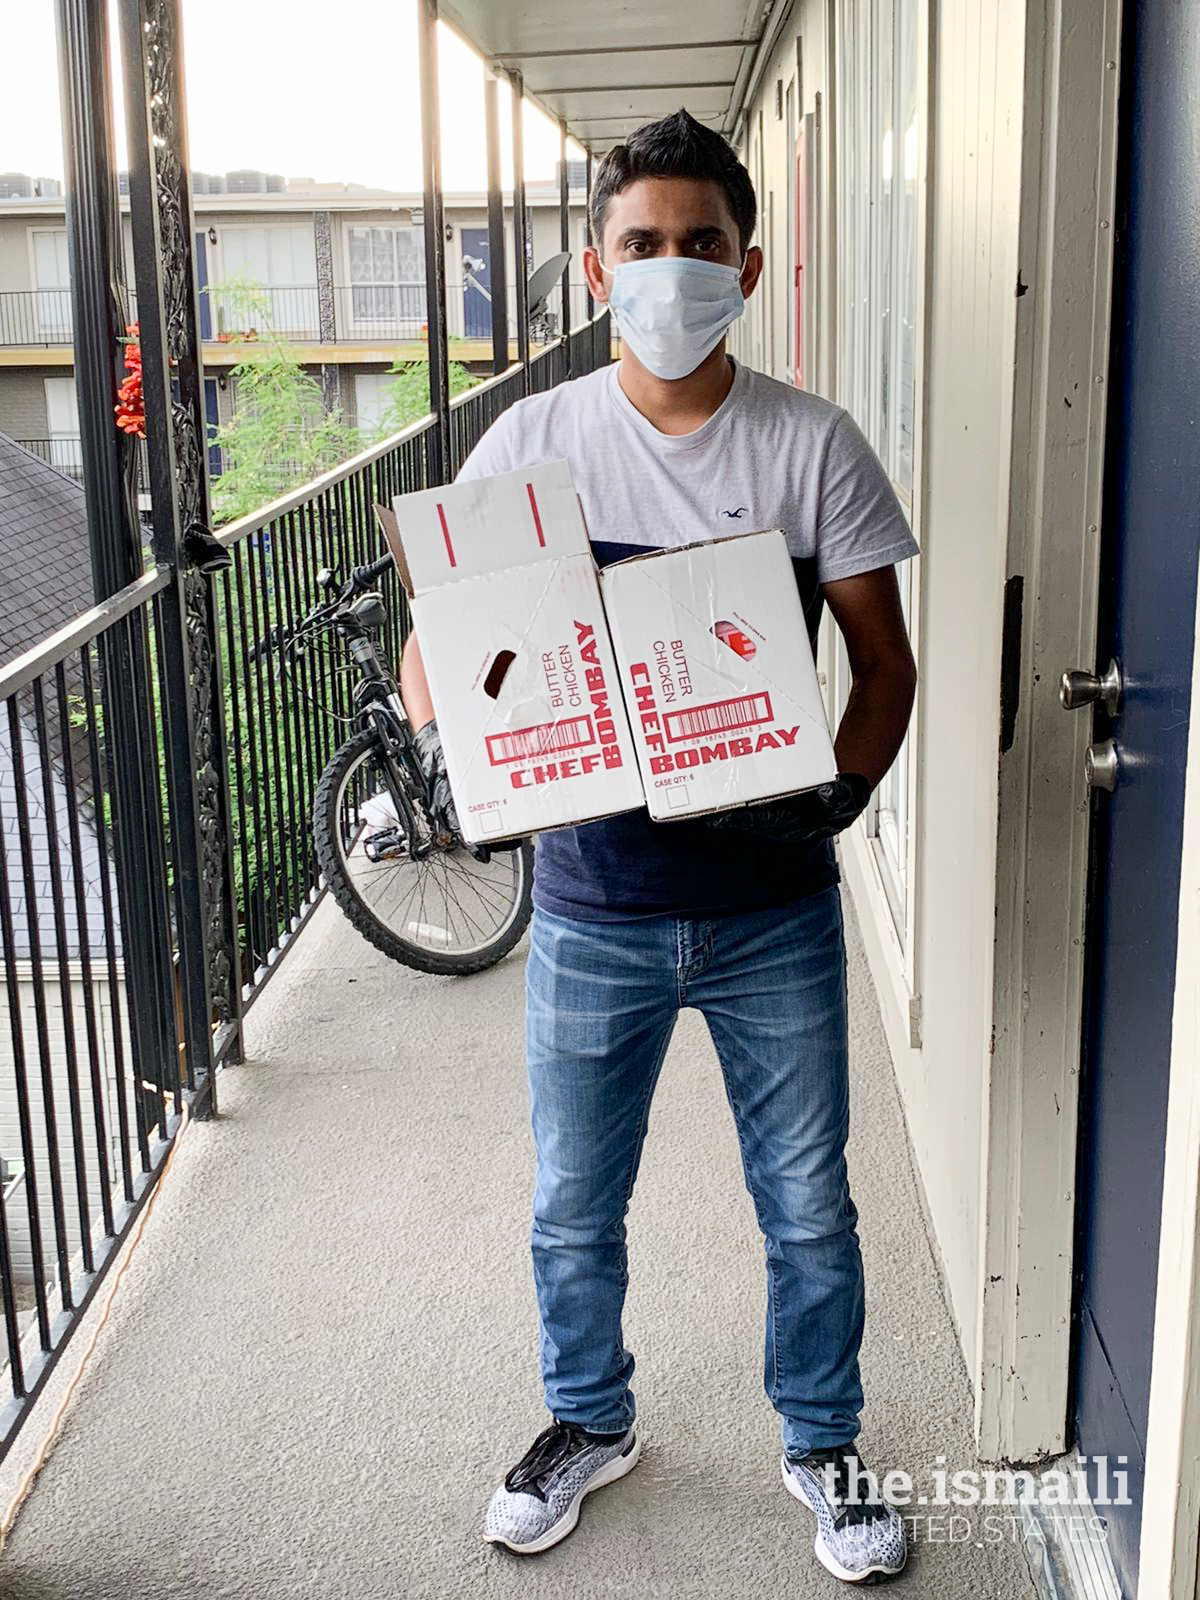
[601, 1004]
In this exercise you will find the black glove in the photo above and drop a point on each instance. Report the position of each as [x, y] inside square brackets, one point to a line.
[427, 742]
[432, 759]
[802, 818]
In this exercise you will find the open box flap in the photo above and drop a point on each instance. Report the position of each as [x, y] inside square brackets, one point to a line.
[468, 529]
[391, 532]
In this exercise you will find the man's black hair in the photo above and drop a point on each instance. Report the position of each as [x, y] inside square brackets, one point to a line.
[675, 147]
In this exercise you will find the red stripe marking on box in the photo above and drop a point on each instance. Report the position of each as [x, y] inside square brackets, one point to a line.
[721, 716]
[544, 738]
[446, 534]
[537, 521]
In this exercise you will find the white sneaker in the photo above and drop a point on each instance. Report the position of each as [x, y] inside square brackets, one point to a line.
[860, 1537]
[538, 1502]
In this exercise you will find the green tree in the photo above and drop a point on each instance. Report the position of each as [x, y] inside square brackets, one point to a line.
[406, 398]
[281, 434]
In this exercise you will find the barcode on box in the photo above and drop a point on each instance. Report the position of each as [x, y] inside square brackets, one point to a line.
[720, 716]
[544, 738]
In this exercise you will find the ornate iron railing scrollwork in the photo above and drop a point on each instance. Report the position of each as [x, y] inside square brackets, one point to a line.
[168, 308]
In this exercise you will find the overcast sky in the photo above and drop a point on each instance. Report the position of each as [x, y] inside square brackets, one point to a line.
[324, 91]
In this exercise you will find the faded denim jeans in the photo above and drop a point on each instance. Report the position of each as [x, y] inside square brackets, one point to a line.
[601, 1004]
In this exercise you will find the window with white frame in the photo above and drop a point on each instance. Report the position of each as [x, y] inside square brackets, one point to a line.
[52, 277]
[281, 260]
[387, 278]
[370, 399]
[878, 144]
[62, 425]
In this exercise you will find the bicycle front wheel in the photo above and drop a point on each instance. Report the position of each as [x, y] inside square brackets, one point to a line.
[444, 912]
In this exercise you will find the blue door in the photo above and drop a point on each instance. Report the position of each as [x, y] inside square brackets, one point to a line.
[202, 285]
[1151, 535]
[477, 308]
[212, 419]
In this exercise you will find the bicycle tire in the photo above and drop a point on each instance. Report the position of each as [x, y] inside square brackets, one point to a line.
[326, 803]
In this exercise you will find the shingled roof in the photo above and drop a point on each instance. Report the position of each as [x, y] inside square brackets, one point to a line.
[45, 580]
[45, 563]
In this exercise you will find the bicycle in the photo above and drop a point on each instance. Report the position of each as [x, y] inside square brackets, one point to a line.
[407, 884]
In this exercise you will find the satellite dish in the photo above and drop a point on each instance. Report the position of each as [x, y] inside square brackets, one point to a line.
[544, 278]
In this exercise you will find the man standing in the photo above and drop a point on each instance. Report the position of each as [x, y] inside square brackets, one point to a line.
[738, 915]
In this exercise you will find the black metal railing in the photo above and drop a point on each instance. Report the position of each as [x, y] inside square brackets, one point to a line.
[36, 317]
[65, 455]
[369, 313]
[282, 726]
[548, 367]
[95, 1109]
[387, 311]
[591, 344]
[473, 413]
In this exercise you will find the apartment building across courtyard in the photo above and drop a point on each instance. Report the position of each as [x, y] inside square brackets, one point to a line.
[341, 269]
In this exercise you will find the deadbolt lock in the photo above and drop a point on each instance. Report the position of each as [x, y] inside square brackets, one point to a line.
[1101, 765]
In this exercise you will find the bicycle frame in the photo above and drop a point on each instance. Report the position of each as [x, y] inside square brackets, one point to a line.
[378, 704]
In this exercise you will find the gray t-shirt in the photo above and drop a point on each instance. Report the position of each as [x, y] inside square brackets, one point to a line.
[770, 456]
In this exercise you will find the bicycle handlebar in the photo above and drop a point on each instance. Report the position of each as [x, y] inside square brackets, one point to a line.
[377, 569]
[360, 578]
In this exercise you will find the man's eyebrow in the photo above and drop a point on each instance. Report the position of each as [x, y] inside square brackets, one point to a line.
[704, 230]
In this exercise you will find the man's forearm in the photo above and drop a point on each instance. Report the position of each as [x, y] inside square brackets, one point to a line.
[873, 725]
[414, 687]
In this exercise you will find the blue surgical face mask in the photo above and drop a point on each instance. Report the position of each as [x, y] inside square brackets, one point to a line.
[673, 310]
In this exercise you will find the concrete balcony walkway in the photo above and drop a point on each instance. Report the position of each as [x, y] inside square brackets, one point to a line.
[323, 1356]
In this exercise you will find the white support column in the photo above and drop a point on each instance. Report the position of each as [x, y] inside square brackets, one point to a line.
[1167, 1561]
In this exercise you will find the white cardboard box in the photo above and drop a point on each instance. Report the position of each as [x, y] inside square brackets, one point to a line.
[718, 674]
[506, 602]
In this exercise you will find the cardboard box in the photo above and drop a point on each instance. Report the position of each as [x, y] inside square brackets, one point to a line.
[718, 674]
[507, 606]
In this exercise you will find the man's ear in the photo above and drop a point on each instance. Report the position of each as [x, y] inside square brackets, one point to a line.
[752, 271]
[597, 282]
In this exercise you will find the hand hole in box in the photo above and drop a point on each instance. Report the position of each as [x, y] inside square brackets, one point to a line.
[498, 671]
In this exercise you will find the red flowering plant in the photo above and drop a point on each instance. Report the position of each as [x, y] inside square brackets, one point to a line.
[131, 406]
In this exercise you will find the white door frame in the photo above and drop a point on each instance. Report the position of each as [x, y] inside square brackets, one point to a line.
[1061, 355]
[894, 951]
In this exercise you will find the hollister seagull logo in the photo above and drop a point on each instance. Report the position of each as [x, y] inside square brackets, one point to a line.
[741, 510]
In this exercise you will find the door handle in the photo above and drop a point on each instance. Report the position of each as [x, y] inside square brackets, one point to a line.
[1102, 766]
[1079, 688]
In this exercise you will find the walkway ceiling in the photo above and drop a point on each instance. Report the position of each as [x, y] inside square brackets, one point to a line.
[606, 66]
